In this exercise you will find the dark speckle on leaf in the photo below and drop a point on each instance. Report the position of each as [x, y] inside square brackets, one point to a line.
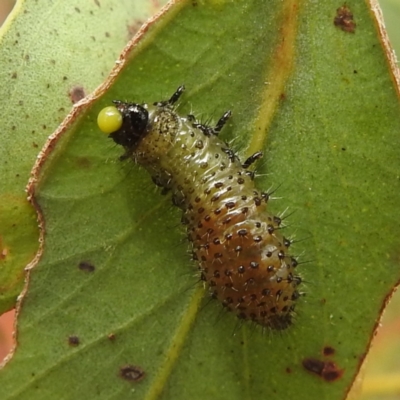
[327, 370]
[328, 351]
[76, 93]
[111, 337]
[131, 373]
[73, 340]
[344, 19]
[86, 266]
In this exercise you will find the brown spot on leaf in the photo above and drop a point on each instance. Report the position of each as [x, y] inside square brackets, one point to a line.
[111, 337]
[86, 266]
[327, 370]
[344, 19]
[328, 351]
[76, 93]
[131, 373]
[73, 340]
[97, 3]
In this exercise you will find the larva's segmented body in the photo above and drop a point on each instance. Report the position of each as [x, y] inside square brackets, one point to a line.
[237, 243]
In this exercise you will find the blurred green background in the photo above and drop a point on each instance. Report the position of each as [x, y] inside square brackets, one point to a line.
[380, 376]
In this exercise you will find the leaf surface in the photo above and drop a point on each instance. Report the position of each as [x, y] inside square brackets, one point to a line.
[52, 54]
[321, 103]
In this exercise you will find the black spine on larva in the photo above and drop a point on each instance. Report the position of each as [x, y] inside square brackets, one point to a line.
[238, 244]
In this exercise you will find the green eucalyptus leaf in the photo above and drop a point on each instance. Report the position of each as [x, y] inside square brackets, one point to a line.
[52, 53]
[319, 99]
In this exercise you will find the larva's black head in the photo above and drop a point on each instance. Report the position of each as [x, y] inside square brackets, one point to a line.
[134, 123]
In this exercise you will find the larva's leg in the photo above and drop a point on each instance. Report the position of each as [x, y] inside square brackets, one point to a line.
[231, 154]
[173, 99]
[252, 159]
[208, 130]
[221, 122]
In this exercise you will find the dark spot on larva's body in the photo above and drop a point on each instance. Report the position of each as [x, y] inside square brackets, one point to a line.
[237, 243]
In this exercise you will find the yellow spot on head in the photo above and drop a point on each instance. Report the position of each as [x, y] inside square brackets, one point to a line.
[109, 119]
